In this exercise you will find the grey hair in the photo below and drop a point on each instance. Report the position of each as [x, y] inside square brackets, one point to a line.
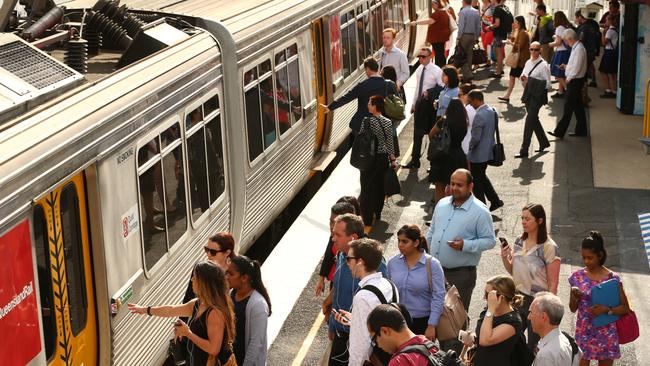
[570, 34]
[550, 304]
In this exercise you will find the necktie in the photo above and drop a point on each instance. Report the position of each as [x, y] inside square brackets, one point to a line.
[421, 86]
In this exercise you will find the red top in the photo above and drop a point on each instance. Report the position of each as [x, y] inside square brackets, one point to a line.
[438, 32]
[411, 358]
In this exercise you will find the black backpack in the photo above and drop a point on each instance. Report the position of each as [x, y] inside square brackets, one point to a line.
[438, 358]
[575, 349]
[508, 20]
[521, 354]
[364, 148]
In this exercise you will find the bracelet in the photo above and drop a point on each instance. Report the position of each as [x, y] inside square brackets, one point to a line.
[149, 310]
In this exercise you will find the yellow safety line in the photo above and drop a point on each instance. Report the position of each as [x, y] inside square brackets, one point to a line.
[405, 156]
[306, 344]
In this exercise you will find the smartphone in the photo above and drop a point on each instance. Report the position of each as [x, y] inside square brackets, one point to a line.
[334, 311]
[504, 242]
[450, 242]
[176, 323]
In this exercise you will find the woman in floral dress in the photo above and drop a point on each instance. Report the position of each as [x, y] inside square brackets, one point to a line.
[596, 343]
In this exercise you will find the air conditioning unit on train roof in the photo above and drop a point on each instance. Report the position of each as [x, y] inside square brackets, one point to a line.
[29, 76]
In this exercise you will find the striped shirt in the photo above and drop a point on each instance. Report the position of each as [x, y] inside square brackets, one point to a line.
[385, 137]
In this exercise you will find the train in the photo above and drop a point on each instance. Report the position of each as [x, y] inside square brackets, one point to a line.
[130, 132]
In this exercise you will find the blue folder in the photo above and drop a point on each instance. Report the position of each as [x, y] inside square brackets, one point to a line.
[606, 293]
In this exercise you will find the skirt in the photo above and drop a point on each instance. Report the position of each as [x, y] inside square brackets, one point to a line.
[609, 62]
[516, 71]
[559, 58]
[445, 164]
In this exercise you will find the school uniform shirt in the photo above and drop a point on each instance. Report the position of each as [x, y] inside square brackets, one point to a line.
[541, 72]
[559, 31]
[432, 77]
[612, 38]
[363, 303]
[576, 68]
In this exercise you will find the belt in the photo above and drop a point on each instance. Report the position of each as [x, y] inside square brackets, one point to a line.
[457, 269]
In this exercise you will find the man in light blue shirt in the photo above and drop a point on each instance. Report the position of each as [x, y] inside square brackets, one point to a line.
[469, 29]
[390, 55]
[461, 229]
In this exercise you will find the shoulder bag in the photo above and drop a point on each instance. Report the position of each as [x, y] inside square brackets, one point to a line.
[512, 59]
[453, 317]
[439, 144]
[391, 181]
[393, 105]
[498, 152]
[627, 327]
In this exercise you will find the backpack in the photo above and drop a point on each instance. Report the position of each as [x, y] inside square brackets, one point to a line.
[364, 148]
[438, 358]
[575, 349]
[521, 354]
[508, 20]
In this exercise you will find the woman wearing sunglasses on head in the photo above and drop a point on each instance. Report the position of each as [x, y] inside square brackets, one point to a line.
[211, 326]
[499, 325]
[252, 309]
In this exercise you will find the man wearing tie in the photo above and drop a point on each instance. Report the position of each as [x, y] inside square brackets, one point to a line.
[429, 84]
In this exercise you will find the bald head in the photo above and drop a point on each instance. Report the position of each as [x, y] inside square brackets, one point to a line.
[465, 174]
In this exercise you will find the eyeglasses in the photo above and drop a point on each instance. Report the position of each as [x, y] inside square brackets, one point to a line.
[535, 49]
[423, 56]
[213, 252]
[373, 340]
[349, 257]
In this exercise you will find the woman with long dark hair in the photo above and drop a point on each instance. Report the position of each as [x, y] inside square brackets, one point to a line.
[252, 308]
[444, 165]
[372, 180]
[533, 261]
[211, 327]
[421, 289]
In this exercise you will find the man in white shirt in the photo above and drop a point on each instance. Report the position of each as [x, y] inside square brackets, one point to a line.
[575, 71]
[536, 78]
[554, 348]
[389, 55]
[364, 259]
[428, 76]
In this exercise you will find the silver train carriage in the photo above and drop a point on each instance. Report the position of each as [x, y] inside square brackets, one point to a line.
[193, 117]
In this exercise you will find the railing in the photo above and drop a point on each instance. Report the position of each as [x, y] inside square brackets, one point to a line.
[645, 139]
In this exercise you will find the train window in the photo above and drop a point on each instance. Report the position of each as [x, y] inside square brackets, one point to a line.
[196, 158]
[260, 108]
[154, 236]
[287, 86]
[267, 97]
[253, 115]
[349, 43]
[42, 246]
[363, 31]
[214, 145]
[174, 192]
[265, 67]
[377, 27]
[211, 105]
[295, 99]
[74, 258]
[335, 45]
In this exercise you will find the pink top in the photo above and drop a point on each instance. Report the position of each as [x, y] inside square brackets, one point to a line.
[411, 358]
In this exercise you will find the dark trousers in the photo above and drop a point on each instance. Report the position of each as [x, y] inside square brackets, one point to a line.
[439, 50]
[464, 278]
[533, 338]
[531, 125]
[339, 354]
[418, 135]
[372, 189]
[420, 325]
[482, 186]
[573, 104]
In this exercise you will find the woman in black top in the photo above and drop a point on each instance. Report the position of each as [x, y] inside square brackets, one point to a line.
[499, 327]
[372, 180]
[444, 165]
[211, 327]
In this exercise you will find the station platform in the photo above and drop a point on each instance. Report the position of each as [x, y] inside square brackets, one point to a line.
[564, 180]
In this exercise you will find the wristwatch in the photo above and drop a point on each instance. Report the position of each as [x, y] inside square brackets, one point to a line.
[149, 310]
[488, 314]
[610, 312]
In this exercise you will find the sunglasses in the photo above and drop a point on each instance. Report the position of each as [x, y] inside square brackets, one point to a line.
[373, 340]
[213, 252]
[349, 257]
[535, 49]
[422, 56]
[486, 295]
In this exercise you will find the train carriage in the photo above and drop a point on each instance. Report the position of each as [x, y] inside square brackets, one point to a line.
[110, 183]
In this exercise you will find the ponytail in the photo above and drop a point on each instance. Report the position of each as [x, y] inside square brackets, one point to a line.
[413, 233]
[423, 244]
[253, 270]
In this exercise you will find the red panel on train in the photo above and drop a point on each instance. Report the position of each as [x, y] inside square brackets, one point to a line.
[18, 311]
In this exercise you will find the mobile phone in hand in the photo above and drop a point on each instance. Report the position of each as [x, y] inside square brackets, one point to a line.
[504, 242]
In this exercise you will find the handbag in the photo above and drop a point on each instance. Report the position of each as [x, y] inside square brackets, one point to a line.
[512, 59]
[364, 148]
[479, 56]
[627, 327]
[453, 26]
[453, 317]
[498, 152]
[439, 144]
[393, 106]
[458, 58]
[391, 183]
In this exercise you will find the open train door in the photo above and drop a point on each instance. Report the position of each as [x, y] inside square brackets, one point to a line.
[322, 68]
[64, 266]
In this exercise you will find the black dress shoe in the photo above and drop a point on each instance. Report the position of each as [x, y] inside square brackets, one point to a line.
[521, 156]
[542, 148]
[554, 135]
[573, 134]
[496, 205]
[413, 164]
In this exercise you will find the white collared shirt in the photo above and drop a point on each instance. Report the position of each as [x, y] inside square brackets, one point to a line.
[432, 76]
[554, 350]
[576, 68]
[541, 72]
[363, 303]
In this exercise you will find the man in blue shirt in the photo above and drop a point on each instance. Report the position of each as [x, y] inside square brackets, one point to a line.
[469, 29]
[347, 228]
[461, 229]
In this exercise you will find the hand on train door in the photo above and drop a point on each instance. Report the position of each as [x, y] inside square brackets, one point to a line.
[325, 108]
